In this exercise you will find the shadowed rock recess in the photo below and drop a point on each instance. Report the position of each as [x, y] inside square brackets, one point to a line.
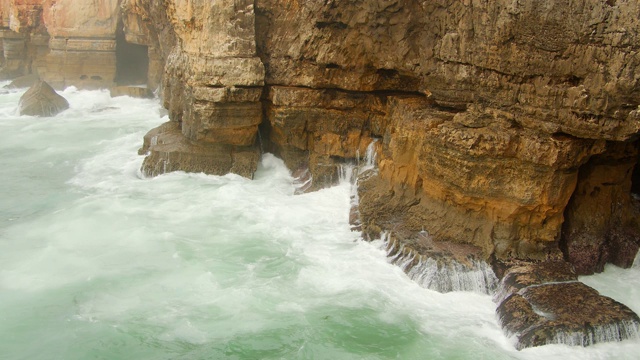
[504, 131]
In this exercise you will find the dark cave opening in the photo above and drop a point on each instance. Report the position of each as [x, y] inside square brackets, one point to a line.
[602, 219]
[635, 179]
[132, 61]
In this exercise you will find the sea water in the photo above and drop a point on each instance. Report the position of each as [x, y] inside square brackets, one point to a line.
[98, 262]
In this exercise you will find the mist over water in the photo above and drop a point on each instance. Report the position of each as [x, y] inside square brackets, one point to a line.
[98, 262]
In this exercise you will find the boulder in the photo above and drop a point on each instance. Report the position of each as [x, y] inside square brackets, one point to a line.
[42, 100]
[544, 303]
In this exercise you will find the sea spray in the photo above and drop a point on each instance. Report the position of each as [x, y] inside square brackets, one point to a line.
[201, 267]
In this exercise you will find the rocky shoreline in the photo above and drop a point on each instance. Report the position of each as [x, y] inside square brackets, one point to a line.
[509, 128]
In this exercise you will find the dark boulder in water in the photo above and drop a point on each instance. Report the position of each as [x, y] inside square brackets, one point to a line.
[544, 303]
[42, 100]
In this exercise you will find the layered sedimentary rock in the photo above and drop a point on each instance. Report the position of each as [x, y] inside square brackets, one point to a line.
[82, 43]
[486, 110]
[212, 88]
[24, 37]
[75, 43]
[507, 126]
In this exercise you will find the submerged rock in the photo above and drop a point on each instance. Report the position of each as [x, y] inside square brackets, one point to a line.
[544, 303]
[42, 100]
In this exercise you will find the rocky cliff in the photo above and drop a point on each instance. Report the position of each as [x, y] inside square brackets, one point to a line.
[507, 125]
[489, 113]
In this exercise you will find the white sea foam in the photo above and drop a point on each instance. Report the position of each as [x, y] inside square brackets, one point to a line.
[100, 262]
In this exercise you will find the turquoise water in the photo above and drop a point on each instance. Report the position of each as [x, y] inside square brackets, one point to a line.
[97, 262]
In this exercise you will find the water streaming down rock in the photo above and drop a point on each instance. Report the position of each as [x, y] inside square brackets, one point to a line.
[598, 334]
[442, 272]
[363, 168]
[636, 261]
[434, 268]
[544, 303]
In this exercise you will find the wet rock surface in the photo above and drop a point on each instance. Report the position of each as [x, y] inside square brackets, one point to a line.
[132, 91]
[543, 303]
[42, 100]
[510, 128]
[168, 150]
[442, 266]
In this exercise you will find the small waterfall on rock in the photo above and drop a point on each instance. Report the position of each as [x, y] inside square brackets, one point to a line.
[347, 173]
[441, 272]
[437, 271]
[214, 267]
[369, 161]
[598, 334]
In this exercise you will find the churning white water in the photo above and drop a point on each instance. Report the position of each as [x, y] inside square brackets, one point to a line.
[97, 262]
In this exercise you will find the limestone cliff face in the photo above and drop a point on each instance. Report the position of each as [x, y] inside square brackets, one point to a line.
[486, 110]
[82, 42]
[212, 89]
[508, 125]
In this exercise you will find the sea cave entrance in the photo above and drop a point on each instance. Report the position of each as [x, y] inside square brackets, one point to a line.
[132, 61]
[602, 220]
[635, 176]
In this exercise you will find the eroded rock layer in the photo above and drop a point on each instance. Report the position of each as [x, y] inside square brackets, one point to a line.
[510, 127]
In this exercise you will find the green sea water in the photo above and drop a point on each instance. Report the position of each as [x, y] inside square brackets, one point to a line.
[98, 262]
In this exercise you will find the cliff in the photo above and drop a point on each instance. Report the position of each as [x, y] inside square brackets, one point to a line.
[495, 118]
[508, 125]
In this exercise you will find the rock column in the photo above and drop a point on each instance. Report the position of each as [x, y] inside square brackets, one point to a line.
[212, 89]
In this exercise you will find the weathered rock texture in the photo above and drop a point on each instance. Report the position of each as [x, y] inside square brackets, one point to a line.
[212, 88]
[42, 100]
[510, 126]
[68, 42]
[543, 303]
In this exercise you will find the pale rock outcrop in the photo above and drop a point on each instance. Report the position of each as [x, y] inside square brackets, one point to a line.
[132, 91]
[83, 43]
[25, 81]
